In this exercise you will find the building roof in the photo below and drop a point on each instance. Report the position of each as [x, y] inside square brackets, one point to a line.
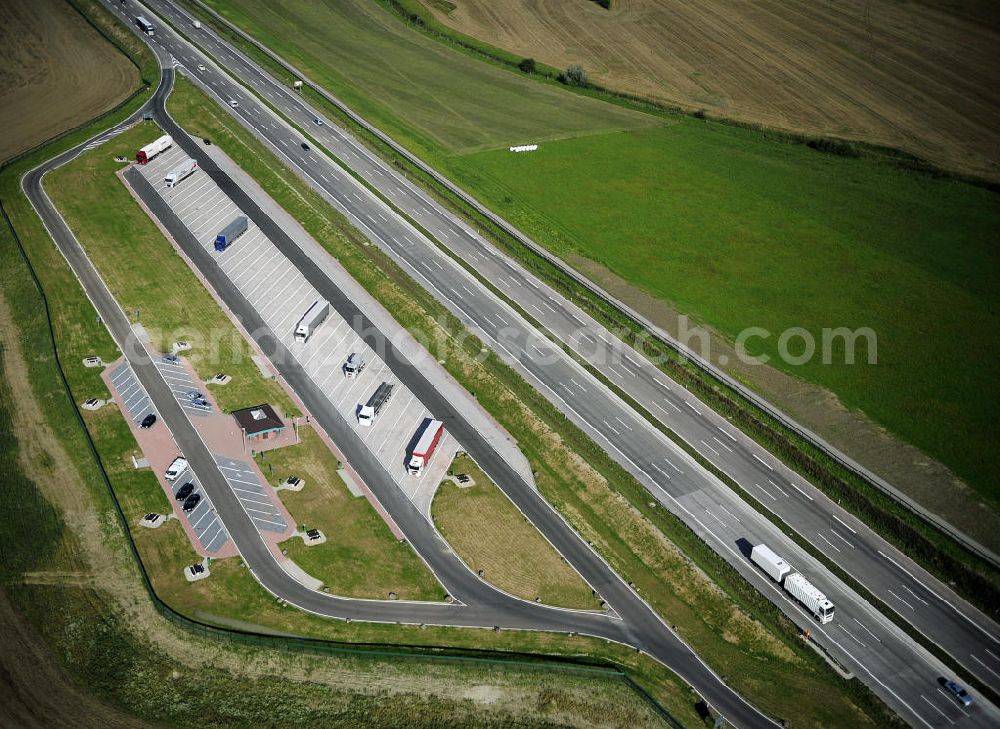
[258, 419]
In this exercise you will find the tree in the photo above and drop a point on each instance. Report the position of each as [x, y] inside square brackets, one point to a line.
[527, 65]
[576, 76]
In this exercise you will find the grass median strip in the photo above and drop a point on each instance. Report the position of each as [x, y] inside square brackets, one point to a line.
[504, 548]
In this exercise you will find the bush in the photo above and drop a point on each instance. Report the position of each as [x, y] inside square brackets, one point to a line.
[527, 65]
[834, 146]
[574, 76]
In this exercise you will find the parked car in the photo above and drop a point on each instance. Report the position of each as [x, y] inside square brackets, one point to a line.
[147, 422]
[206, 140]
[191, 501]
[184, 491]
[176, 468]
[171, 358]
[960, 694]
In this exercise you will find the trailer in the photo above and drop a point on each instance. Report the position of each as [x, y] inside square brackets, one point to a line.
[180, 172]
[370, 410]
[354, 365]
[144, 25]
[423, 451]
[771, 563]
[809, 597]
[314, 316]
[236, 228]
[153, 148]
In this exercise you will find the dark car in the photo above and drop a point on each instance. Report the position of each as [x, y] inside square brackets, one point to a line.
[184, 491]
[147, 422]
[960, 694]
[171, 358]
[206, 140]
[305, 146]
[191, 501]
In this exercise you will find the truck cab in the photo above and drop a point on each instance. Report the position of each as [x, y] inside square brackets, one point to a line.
[354, 365]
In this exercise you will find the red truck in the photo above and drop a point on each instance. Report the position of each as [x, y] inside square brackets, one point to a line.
[153, 148]
[424, 449]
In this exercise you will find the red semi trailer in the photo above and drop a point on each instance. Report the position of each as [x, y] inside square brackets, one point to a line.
[424, 450]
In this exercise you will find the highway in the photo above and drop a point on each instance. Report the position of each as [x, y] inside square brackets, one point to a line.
[896, 668]
[477, 603]
[919, 598]
[705, 504]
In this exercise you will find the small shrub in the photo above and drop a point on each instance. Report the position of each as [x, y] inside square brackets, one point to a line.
[527, 65]
[574, 76]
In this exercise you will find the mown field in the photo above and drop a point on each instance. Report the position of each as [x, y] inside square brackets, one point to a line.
[917, 76]
[733, 227]
[56, 71]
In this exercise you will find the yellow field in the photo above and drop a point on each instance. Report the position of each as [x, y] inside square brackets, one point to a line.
[923, 77]
[56, 71]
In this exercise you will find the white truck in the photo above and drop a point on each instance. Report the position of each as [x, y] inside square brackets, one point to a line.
[153, 148]
[354, 365]
[370, 410]
[314, 316]
[795, 584]
[180, 172]
[423, 451]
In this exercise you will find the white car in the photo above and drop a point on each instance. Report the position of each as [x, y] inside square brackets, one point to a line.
[176, 468]
[201, 66]
[234, 103]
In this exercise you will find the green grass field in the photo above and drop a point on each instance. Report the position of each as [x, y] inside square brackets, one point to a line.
[450, 99]
[488, 532]
[733, 228]
[746, 232]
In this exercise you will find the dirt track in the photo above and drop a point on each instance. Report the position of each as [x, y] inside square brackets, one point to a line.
[56, 71]
[920, 77]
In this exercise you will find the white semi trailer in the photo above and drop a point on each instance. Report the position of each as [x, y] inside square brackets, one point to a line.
[182, 171]
[795, 584]
[153, 148]
[314, 316]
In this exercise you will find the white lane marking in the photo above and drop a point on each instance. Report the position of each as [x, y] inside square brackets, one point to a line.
[627, 426]
[722, 444]
[900, 599]
[915, 595]
[582, 388]
[837, 535]
[845, 524]
[866, 629]
[668, 403]
[661, 470]
[993, 654]
[730, 514]
[853, 637]
[725, 432]
[773, 498]
[580, 321]
[934, 706]
[696, 411]
[984, 665]
[611, 428]
[671, 464]
[715, 517]
[783, 492]
[762, 461]
[710, 447]
[829, 542]
[792, 484]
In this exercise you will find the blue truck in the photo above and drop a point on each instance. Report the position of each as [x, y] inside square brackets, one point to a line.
[230, 233]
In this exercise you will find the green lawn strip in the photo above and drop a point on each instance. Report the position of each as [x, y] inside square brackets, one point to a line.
[361, 557]
[493, 384]
[146, 274]
[924, 542]
[494, 539]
